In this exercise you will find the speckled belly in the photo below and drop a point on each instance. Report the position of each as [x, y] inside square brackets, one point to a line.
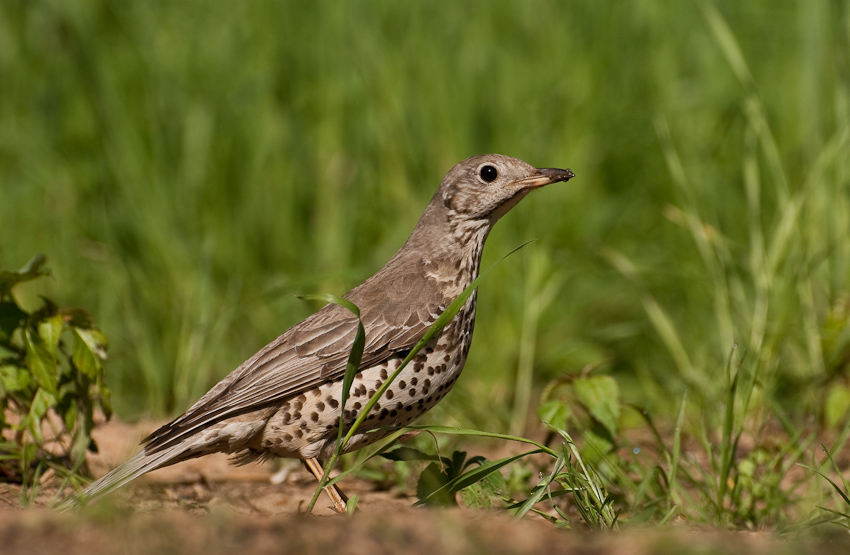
[307, 426]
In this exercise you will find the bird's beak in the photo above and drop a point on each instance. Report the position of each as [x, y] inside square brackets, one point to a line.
[545, 176]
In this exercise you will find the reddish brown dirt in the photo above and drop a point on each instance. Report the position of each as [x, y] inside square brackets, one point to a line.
[208, 506]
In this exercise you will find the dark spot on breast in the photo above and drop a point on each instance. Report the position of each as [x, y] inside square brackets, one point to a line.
[286, 417]
[389, 394]
[371, 392]
[393, 413]
[384, 413]
[384, 373]
[418, 365]
[430, 370]
[378, 383]
[332, 402]
[299, 433]
[301, 398]
[316, 392]
[412, 391]
[296, 416]
[402, 384]
[358, 376]
[408, 408]
[314, 417]
[321, 406]
[302, 425]
[287, 437]
[447, 358]
[414, 381]
[357, 405]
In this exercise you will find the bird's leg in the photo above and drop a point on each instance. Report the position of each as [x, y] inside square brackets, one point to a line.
[338, 498]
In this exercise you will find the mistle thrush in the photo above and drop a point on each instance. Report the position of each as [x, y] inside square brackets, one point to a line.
[285, 400]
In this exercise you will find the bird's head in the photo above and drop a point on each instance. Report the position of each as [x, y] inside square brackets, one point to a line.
[488, 186]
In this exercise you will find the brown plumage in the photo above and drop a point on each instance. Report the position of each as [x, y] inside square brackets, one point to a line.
[284, 401]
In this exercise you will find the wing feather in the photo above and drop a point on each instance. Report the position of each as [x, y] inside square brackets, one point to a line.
[395, 316]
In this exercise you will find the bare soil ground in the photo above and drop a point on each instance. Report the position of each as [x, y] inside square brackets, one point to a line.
[208, 506]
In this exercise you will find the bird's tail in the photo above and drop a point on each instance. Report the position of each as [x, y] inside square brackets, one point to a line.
[124, 474]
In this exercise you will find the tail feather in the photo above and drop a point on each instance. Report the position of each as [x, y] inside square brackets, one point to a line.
[139, 464]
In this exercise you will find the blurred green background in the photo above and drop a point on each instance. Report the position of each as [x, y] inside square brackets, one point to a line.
[188, 167]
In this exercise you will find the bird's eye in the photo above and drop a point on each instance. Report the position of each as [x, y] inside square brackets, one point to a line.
[488, 173]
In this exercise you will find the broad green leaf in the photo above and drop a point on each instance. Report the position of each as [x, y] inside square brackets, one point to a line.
[601, 396]
[475, 475]
[14, 379]
[475, 497]
[431, 488]
[50, 329]
[481, 494]
[408, 454]
[86, 359]
[41, 403]
[40, 362]
[554, 413]
[94, 340]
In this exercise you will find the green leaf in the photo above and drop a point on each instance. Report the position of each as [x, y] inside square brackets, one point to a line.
[554, 413]
[40, 362]
[431, 487]
[14, 379]
[601, 396]
[408, 454]
[481, 494]
[94, 340]
[41, 403]
[452, 486]
[89, 351]
[50, 329]
[475, 497]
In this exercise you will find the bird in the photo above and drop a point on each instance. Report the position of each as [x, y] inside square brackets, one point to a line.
[285, 401]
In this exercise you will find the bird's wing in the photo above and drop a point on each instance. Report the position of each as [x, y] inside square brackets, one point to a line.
[395, 316]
